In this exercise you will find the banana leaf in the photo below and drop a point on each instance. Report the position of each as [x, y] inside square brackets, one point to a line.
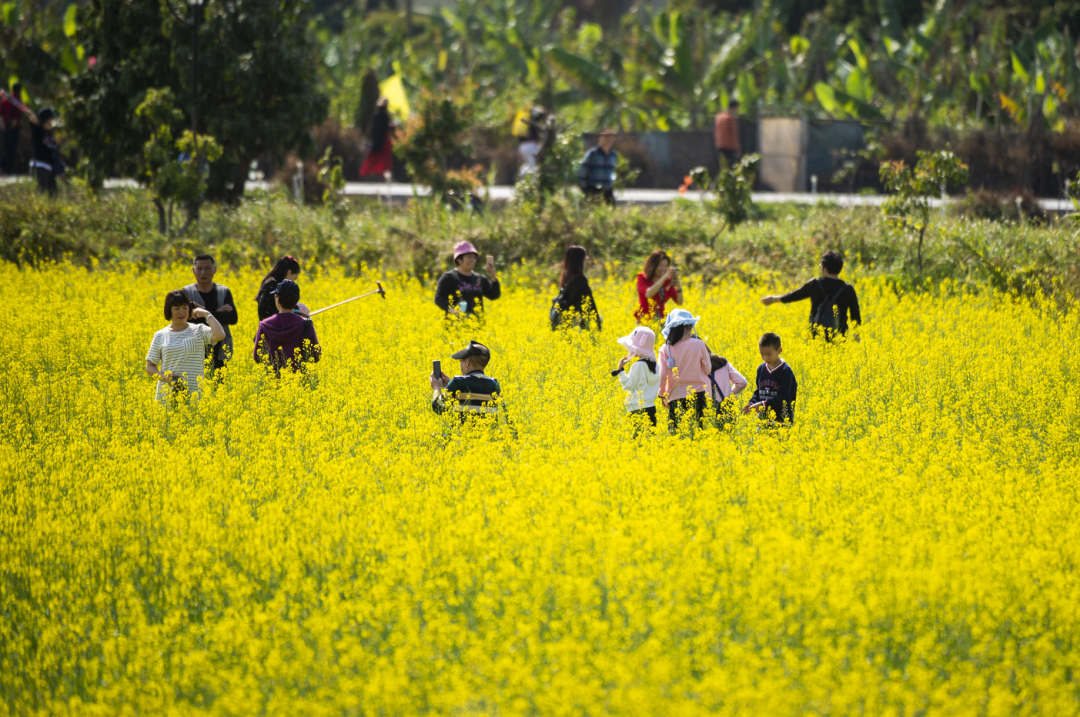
[587, 75]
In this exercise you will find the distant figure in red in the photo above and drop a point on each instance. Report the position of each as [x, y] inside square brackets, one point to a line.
[380, 160]
[658, 282]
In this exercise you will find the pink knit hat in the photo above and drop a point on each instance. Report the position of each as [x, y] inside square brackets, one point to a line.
[464, 247]
[641, 343]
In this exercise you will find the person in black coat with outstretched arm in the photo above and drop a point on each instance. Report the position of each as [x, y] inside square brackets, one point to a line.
[832, 300]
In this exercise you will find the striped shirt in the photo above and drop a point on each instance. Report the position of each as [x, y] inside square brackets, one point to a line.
[183, 353]
[726, 131]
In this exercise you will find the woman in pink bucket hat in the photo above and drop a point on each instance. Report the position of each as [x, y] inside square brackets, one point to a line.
[641, 381]
[460, 291]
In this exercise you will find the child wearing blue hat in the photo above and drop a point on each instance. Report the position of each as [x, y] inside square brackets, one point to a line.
[685, 367]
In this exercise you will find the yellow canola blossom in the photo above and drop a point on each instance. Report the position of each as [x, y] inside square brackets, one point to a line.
[910, 547]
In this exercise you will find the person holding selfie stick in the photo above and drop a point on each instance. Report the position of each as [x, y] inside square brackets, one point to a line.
[460, 292]
[177, 355]
[474, 392]
[657, 284]
[287, 339]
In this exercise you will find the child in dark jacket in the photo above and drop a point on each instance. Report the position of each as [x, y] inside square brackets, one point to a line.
[774, 397]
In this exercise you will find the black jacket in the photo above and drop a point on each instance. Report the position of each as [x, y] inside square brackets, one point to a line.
[454, 286]
[821, 290]
[577, 295]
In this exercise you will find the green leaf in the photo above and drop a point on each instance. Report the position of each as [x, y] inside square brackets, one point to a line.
[798, 45]
[860, 57]
[826, 96]
[1020, 69]
[858, 85]
[587, 75]
[69, 20]
[7, 8]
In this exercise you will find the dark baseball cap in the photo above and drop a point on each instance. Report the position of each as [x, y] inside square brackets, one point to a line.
[473, 349]
[288, 290]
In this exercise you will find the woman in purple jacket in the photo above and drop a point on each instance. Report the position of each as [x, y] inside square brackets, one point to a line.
[287, 338]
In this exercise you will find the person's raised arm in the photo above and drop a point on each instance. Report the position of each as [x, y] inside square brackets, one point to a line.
[217, 331]
[438, 383]
[659, 285]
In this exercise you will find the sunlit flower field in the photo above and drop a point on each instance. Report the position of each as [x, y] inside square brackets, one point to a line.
[910, 547]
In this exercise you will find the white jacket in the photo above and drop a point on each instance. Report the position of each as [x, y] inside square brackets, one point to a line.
[641, 385]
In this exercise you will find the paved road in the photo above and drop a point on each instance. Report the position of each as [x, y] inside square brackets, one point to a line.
[401, 192]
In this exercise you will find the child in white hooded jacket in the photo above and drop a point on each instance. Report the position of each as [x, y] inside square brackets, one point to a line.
[641, 381]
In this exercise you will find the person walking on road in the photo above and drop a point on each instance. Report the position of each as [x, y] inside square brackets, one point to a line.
[596, 175]
[726, 135]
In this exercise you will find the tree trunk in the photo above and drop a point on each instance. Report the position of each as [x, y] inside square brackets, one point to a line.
[160, 216]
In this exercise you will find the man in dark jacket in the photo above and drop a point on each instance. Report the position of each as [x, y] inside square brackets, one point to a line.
[287, 338]
[596, 175]
[218, 300]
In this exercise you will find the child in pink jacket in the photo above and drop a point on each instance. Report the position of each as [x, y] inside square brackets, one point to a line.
[725, 383]
[684, 368]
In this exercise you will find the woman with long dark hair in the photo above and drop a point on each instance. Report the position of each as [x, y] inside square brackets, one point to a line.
[286, 268]
[657, 284]
[574, 292]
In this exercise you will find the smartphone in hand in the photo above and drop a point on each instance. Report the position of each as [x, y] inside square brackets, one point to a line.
[436, 368]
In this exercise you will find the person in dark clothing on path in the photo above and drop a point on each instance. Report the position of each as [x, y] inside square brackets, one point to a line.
[832, 300]
[461, 292]
[596, 175]
[287, 339]
[287, 268]
[218, 300]
[776, 391]
[46, 163]
[575, 295]
[474, 392]
[11, 114]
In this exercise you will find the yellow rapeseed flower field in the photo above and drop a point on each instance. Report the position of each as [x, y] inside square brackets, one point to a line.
[911, 547]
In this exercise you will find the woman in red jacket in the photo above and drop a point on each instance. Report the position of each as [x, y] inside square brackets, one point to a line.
[656, 284]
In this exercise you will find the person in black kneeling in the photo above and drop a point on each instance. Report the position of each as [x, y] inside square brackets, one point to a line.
[474, 392]
[832, 300]
[460, 291]
[574, 293]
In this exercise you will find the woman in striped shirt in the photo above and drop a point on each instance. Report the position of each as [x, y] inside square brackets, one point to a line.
[177, 356]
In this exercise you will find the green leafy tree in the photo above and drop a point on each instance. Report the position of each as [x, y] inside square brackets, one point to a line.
[175, 171]
[908, 207]
[734, 187]
[258, 89]
[434, 132]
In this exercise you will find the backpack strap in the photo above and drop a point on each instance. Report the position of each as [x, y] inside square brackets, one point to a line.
[829, 303]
